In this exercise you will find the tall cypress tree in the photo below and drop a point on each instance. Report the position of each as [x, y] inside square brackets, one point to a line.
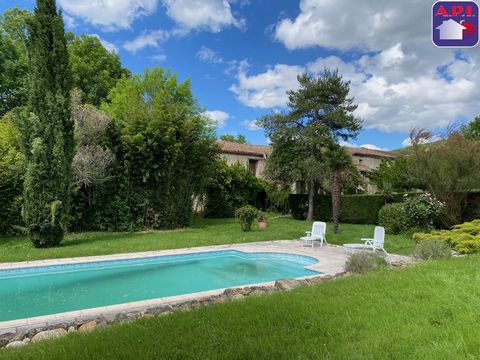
[48, 130]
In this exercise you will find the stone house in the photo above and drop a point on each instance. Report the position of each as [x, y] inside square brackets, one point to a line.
[252, 156]
[255, 157]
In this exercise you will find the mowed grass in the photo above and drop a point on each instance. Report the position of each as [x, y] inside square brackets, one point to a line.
[202, 233]
[426, 311]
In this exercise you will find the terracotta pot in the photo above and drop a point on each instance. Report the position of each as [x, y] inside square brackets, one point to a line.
[263, 224]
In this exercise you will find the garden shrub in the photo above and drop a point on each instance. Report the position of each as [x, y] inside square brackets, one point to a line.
[464, 238]
[246, 215]
[393, 218]
[423, 210]
[363, 262]
[433, 249]
[231, 187]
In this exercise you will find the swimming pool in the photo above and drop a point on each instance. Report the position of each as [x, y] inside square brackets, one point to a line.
[29, 292]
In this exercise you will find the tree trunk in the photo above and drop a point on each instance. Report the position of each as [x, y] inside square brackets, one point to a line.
[335, 188]
[311, 197]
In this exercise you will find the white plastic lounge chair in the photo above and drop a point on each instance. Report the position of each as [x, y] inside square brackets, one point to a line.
[377, 243]
[316, 235]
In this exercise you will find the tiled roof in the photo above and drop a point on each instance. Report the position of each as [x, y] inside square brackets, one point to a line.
[372, 153]
[228, 147]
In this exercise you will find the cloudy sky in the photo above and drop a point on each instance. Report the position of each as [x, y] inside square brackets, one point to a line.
[242, 55]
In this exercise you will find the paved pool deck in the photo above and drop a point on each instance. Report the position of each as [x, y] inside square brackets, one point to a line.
[331, 262]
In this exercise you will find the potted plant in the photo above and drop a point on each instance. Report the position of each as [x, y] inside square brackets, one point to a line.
[262, 221]
[246, 216]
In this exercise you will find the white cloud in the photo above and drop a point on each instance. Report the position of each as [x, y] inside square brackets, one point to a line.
[69, 21]
[212, 15]
[373, 147]
[372, 25]
[385, 103]
[365, 146]
[159, 57]
[106, 44]
[219, 118]
[148, 39]
[208, 55]
[108, 14]
[251, 125]
[266, 90]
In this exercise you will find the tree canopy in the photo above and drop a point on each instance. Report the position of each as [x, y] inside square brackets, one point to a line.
[95, 69]
[394, 175]
[240, 139]
[13, 59]
[472, 130]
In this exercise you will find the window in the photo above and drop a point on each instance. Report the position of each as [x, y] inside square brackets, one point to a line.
[253, 166]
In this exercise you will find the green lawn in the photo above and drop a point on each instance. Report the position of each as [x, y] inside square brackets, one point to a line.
[203, 232]
[426, 311]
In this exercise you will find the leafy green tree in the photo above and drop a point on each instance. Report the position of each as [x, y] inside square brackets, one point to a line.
[240, 139]
[472, 130]
[321, 113]
[14, 24]
[11, 175]
[393, 176]
[166, 147]
[95, 69]
[47, 133]
[341, 168]
[13, 59]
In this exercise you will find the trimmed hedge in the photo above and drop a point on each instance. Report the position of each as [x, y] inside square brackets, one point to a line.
[363, 209]
[355, 209]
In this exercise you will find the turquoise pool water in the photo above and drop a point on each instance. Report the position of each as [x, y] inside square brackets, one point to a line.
[54, 289]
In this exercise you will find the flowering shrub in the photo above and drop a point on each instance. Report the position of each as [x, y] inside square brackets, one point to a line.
[246, 215]
[423, 210]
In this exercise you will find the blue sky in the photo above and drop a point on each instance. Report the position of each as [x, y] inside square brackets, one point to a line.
[241, 56]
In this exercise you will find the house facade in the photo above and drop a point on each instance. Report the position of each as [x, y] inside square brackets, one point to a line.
[254, 157]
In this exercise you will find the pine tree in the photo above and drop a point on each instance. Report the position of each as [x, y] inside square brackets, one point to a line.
[321, 113]
[48, 130]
